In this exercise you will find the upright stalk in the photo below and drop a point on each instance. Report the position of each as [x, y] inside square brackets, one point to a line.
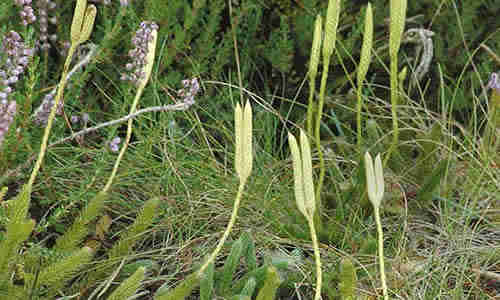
[230, 225]
[380, 237]
[364, 63]
[394, 105]
[81, 28]
[317, 258]
[331, 24]
[50, 121]
[313, 71]
[398, 17]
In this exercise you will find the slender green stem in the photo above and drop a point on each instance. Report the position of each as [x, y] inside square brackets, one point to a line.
[381, 252]
[127, 138]
[490, 140]
[358, 119]
[317, 258]
[317, 137]
[394, 106]
[230, 225]
[310, 108]
[59, 95]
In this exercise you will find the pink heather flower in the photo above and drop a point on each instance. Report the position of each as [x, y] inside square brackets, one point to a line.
[138, 55]
[494, 82]
[43, 112]
[85, 118]
[114, 144]
[189, 91]
[45, 7]
[14, 58]
[7, 113]
[74, 119]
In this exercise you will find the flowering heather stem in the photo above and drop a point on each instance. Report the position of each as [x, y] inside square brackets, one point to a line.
[7, 113]
[42, 112]
[145, 41]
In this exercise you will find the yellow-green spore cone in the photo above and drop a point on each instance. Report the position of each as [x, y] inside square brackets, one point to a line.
[397, 25]
[364, 63]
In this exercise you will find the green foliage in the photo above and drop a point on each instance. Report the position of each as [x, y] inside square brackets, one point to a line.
[347, 279]
[53, 268]
[230, 266]
[430, 142]
[249, 251]
[18, 229]
[195, 39]
[431, 182]
[279, 48]
[271, 284]
[56, 275]
[71, 238]
[128, 287]
[183, 290]
[133, 233]
[16, 233]
[207, 283]
[249, 287]
[259, 275]
[128, 239]
[223, 282]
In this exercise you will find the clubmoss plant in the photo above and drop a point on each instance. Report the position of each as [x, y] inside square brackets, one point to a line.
[207, 283]
[271, 285]
[56, 275]
[230, 267]
[70, 240]
[261, 282]
[129, 287]
[331, 24]
[397, 25]
[364, 63]
[124, 247]
[313, 71]
[348, 279]
[304, 194]
[242, 164]
[375, 185]
[184, 289]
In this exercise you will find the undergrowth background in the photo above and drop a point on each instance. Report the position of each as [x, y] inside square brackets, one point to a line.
[441, 220]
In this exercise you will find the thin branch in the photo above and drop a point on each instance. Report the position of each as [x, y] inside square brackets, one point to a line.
[172, 107]
[178, 106]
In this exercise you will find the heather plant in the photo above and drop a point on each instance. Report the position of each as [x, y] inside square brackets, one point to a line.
[19, 227]
[490, 137]
[55, 274]
[7, 113]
